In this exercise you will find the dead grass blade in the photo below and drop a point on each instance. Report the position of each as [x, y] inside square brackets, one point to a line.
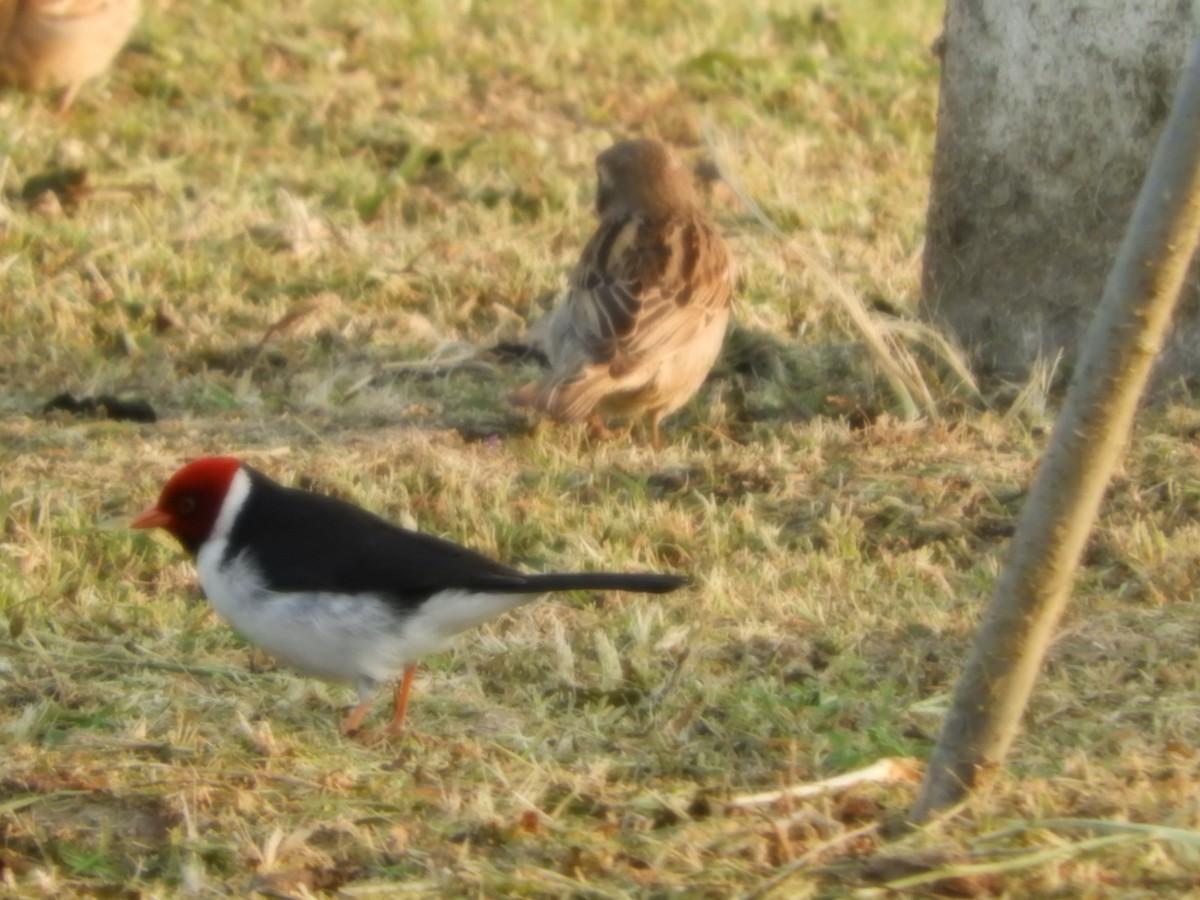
[808, 859]
[886, 339]
[1012, 864]
[1148, 830]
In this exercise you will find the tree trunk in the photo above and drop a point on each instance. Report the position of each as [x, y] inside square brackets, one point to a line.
[1047, 118]
[1094, 425]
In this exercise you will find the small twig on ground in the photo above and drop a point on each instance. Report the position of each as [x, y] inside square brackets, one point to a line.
[891, 770]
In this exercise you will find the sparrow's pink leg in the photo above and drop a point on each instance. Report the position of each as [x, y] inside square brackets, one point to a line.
[402, 688]
[67, 98]
[596, 430]
[655, 439]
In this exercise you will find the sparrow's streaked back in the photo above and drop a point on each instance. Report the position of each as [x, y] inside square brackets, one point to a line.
[645, 314]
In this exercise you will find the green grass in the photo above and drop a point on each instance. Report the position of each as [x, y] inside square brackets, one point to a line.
[416, 179]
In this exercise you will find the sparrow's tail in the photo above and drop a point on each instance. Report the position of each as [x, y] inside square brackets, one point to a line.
[605, 581]
[571, 398]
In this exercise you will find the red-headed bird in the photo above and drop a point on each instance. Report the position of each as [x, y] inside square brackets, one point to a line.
[335, 591]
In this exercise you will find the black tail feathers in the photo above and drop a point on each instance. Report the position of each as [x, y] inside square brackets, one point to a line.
[649, 583]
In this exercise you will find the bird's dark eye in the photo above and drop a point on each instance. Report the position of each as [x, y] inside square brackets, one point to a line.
[186, 505]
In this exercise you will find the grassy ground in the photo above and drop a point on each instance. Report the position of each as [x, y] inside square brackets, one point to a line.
[297, 220]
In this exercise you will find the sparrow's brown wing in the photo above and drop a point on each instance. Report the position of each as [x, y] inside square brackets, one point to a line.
[644, 287]
[643, 290]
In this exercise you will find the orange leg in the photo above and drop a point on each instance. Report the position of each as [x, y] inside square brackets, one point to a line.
[401, 696]
[354, 720]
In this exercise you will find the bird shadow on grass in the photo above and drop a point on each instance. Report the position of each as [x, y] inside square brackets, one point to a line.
[759, 380]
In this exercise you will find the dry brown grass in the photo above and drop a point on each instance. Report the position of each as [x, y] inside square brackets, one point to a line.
[291, 211]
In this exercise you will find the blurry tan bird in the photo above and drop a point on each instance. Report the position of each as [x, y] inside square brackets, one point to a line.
[646, 310]
[61, 43]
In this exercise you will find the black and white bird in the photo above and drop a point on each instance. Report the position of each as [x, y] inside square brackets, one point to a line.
[335, 591]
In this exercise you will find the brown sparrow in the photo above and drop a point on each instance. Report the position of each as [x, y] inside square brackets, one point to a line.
[645, 314]
[61, 43]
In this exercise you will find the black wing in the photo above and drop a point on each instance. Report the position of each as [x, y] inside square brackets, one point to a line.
[309, 542]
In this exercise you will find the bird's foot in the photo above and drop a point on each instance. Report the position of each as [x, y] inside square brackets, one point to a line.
[596, 431]
[352, 725]
[387, 735]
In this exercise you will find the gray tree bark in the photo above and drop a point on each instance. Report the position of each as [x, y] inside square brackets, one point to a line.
[1047, 118]
[1119, 349]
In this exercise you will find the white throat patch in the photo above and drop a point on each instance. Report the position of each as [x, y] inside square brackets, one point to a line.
[235, 499]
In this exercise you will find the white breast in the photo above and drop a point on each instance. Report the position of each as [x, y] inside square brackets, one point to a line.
[338, 637]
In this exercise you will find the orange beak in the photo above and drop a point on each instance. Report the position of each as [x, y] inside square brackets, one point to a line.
[152, 518]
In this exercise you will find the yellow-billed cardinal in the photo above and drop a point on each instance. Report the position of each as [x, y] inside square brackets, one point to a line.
[335, 591]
